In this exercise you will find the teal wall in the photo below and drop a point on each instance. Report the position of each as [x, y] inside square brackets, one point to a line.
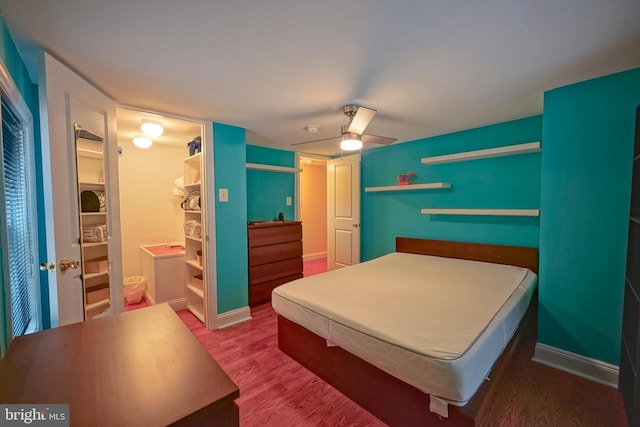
[502, 182]
[586, 179]
[13, 62]
[231, 217]
[267, 191]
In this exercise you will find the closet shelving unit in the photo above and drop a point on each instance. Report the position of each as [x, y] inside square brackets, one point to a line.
[194, 271]
[94, 253]
[509, 150]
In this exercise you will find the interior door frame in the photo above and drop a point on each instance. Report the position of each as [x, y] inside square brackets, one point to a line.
[207, 199]
[298, 186]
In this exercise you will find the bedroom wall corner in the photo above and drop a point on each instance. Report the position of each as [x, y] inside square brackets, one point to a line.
[231, 217]
[501, 182]
[586, 177]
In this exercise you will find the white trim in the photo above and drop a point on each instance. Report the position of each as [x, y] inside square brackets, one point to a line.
[296, 190]
[585, 367]
[509, 150]
[210, 301]
[272, 168]
[498, 212]
[233, 317]
[425, 186]
[315, 255]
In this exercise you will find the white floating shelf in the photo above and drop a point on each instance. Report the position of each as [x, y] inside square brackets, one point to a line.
[272, 168]
[509, 150]
[498, 212]
[427, 186]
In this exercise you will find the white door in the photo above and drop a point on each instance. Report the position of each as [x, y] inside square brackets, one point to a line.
[343, 176]
[66, 99]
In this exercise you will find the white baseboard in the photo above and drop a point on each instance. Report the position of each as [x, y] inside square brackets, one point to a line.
[316, 255]
[234, 316]
[175, 304]
[585, 367]
[147, 296]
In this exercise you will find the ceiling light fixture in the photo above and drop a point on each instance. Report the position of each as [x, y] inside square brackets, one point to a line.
[142, 141]
[350, 141]
[151, 128]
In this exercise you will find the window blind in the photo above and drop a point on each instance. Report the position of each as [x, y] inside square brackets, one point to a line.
[18, 222]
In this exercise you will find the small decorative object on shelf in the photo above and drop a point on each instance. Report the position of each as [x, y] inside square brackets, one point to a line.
[194, 145]
[405, 179]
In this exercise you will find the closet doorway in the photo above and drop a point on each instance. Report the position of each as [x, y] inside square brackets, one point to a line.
[154, 184]
[312, 205]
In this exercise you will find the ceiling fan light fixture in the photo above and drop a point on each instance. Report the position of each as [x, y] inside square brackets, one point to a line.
[142, 141]
[350, 142]
[151, 128]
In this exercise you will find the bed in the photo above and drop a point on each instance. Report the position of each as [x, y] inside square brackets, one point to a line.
[406, 336]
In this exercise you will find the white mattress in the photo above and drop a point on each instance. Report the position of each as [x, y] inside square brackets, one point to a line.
[436, 323]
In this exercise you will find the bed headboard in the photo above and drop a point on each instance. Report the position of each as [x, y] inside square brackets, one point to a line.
[498, 254]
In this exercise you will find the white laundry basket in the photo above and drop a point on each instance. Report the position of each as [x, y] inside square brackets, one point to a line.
[134, 287]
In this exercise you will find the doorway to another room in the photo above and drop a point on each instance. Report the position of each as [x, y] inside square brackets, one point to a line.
[152, 207]
[313, 213]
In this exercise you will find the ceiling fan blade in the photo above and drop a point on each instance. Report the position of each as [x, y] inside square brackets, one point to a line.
[335, 138]
[380, 140]
[361, 120]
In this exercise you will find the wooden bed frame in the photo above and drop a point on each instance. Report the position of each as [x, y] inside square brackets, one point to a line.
[388, 398]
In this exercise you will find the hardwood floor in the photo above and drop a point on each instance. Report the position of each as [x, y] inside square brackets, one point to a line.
[315, 266]
[277, 391]
[274, 389]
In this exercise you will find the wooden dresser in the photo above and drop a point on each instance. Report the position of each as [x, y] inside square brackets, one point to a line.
[275, 257]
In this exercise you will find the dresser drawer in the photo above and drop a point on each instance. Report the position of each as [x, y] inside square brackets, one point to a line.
[261, 292]
[271, 253]
[274, 270]
[262, 236]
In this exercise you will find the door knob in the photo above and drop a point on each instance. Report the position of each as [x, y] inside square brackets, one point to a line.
[356, 225]
[66, 264]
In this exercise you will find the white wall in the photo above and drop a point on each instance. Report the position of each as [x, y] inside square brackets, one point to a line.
[149, 213]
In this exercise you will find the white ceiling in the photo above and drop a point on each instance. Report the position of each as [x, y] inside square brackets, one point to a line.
[428, 66]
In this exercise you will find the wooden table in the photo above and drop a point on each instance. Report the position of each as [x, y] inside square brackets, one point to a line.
[140, 368]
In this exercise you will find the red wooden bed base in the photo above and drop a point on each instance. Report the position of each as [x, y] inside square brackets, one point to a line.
[388, 398]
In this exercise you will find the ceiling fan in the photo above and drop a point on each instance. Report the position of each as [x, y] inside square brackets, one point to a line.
[352, 134]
